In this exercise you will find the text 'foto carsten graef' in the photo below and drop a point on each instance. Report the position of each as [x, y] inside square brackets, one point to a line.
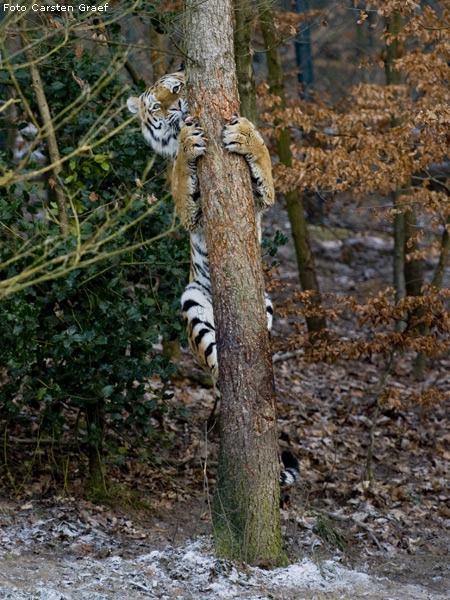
[83, 8]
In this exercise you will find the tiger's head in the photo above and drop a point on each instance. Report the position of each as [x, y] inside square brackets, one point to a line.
[162, 109]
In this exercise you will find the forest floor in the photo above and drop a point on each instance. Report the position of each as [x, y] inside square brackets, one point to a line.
[345, 541]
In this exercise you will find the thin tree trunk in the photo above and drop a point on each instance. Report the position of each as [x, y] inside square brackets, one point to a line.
[421, 359]
[246, 516]
[378, 405]
[303, 52]
[393, 77]
[408, 278]
[399, 252]
[157, 56]
[243, 54]
[95, 424]
[294, 204]
[365, 42]
[413, 268]
[443, 257]
[132, 72]
[49, 136]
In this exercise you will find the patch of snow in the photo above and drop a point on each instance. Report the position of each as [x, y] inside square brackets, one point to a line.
[188, 572]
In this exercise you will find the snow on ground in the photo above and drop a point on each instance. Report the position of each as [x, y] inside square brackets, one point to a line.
[187, 573]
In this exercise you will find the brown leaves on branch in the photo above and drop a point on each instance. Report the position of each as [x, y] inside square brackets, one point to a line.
[288, 22]
[380, 136]
[377, 331]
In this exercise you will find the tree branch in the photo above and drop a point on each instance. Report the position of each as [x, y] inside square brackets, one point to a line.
[52, 144]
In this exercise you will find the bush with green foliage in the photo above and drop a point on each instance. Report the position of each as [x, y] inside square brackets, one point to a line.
[77, 347]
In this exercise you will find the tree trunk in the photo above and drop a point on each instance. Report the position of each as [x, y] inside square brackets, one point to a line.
[393, 77]
[294, 204]
[405, 223]
[243, 54]
[410, 281]
[443, 256]
[421, 359]
[399, 252]
[157, 57]
[414, 282]
[303, 52]
[95, 425]
[246, 509]
[413, 267]
[365, 46]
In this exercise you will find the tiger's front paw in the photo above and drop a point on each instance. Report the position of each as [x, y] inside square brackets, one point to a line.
[192, 140]
[241, 137]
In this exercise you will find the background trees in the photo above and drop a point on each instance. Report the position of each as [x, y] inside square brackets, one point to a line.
[379, 142]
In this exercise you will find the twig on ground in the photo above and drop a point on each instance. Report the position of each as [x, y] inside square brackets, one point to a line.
[287, 355]
[361, 525]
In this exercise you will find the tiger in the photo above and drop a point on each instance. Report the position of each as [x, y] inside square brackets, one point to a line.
[171, 132]
[163, 112]
[162, 109]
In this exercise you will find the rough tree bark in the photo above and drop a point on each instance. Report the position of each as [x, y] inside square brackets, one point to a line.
[294, 204]
[246, 509]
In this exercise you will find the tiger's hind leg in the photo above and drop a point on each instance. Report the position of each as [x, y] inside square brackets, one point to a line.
[197, 310]
[241, 137]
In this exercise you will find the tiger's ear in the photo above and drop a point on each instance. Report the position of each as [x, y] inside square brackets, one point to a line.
[133, 104]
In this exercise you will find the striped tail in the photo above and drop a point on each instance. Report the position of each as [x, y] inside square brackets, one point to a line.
[291, 473]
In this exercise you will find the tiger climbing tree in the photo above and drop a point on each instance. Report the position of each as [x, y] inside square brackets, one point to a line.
[246, 518]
